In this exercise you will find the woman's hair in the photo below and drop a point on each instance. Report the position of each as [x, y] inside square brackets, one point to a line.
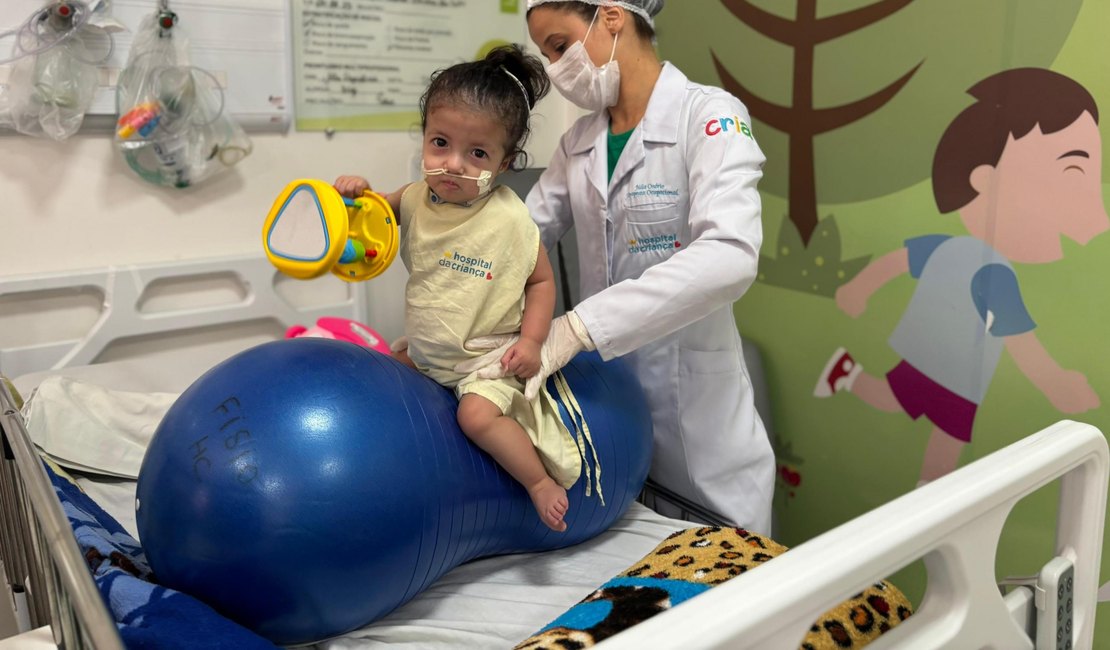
[586, 11]
[506, 84]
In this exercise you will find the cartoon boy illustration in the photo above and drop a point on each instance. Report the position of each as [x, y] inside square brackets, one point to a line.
[1023, 166]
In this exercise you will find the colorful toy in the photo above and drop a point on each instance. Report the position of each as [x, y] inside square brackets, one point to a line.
[142, 120]
[341, 329]
[311, 229]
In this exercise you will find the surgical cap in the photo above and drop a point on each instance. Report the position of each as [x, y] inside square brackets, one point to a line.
[645, 8]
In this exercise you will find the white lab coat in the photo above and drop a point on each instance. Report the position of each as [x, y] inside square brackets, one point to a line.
[664, 250]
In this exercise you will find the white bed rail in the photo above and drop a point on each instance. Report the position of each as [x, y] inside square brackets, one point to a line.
[953, 523]
[125, 289]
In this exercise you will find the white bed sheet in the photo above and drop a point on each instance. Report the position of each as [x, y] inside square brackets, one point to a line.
[489, 603]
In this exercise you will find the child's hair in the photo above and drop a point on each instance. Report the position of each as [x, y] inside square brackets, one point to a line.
[506, 84]
[1010, 103]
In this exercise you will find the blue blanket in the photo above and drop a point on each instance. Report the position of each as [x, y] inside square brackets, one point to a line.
[147, 615]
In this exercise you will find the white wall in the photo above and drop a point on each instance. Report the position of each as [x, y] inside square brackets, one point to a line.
[76, 205]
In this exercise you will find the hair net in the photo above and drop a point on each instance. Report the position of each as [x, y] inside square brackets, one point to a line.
[645, 8]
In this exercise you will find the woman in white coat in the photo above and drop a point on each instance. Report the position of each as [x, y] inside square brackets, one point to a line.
[660, 185]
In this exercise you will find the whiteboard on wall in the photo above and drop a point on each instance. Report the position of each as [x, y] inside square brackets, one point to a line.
[243, 43]
[363, 64]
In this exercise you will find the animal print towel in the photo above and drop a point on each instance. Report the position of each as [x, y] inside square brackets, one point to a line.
[694, 560]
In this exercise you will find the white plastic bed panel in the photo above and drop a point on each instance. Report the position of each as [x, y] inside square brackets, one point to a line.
[173, 298]
[954, 523]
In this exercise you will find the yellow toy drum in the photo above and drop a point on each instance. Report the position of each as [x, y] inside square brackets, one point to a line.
[311, 229]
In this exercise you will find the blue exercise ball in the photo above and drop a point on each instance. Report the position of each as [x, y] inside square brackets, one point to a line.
[307, 487]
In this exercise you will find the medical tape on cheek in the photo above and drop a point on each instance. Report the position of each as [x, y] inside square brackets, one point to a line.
[483, 180]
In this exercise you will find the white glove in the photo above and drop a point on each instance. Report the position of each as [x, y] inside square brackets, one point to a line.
[401, 343]
[567, 337]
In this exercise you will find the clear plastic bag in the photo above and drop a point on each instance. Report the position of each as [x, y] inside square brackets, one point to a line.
[54, 78]
[173, 128]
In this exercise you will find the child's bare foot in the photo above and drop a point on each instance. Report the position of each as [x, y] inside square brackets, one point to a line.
[550, 500]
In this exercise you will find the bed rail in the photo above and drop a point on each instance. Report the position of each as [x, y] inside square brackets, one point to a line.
[953, 523]
[39, 552]
[661, 499]
[124, 289]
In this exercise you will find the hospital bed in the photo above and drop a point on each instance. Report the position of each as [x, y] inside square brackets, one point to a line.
[152, 333]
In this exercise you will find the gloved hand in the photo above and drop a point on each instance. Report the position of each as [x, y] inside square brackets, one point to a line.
[567, 337]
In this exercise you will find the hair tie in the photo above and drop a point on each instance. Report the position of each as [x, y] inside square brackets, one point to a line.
[527, 102]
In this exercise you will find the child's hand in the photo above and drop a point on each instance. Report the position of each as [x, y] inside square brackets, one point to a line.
[403, 357]
[522, 358]
[399, 350]
[1070, 392]
[851, 299]
[351, 187]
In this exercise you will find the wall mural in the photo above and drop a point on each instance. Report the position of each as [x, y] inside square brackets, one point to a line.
[863, 99]
[934, 273]
[1022, 166]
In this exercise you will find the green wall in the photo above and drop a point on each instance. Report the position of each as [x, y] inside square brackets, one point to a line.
[873, 176]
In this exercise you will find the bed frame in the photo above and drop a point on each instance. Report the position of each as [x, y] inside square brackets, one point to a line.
[953, 524]
[159, 304]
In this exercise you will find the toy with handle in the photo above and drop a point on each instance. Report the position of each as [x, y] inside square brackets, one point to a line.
[311, 230]
[341, 329]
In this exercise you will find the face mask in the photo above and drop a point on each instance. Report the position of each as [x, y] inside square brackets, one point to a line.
[582, 82]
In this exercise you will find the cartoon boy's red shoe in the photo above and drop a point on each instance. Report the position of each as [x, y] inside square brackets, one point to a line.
[839, 374]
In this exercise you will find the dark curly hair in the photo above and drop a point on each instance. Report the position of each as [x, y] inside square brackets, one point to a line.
[491, 86]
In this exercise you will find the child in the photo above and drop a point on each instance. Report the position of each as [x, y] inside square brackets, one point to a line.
[477, 267]
[1022, 167]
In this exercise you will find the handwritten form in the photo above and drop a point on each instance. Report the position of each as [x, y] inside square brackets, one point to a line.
[363, 64]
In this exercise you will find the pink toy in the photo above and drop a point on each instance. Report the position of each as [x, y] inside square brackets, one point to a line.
[341, 329]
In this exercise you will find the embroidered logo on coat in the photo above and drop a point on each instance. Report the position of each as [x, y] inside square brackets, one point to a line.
[656, 243]
[473, 266]
[727, 125]
[648, 191]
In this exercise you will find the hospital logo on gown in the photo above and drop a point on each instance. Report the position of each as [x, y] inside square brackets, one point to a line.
[653, 244]
[472, 266]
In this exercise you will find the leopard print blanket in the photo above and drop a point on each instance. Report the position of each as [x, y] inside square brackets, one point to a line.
[691, 561]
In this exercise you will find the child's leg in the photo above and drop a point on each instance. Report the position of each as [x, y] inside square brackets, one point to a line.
[942, 455]
[844, 373]
[876, 392]
[504, 439]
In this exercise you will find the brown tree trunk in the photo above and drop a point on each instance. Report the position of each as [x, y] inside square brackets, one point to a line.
[802, 184]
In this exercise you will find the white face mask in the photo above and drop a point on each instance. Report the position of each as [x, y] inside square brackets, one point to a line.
[582, 82]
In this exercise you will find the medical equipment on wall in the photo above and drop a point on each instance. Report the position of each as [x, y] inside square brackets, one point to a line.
[311, 229]
[173, 128]
[54, 76]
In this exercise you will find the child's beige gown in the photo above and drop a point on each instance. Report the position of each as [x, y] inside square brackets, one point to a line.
[467, 269]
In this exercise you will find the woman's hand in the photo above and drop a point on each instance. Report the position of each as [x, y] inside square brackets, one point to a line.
[568, 337]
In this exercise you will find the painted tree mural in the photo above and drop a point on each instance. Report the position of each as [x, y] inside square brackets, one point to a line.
[850, 97]
[801, 120]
